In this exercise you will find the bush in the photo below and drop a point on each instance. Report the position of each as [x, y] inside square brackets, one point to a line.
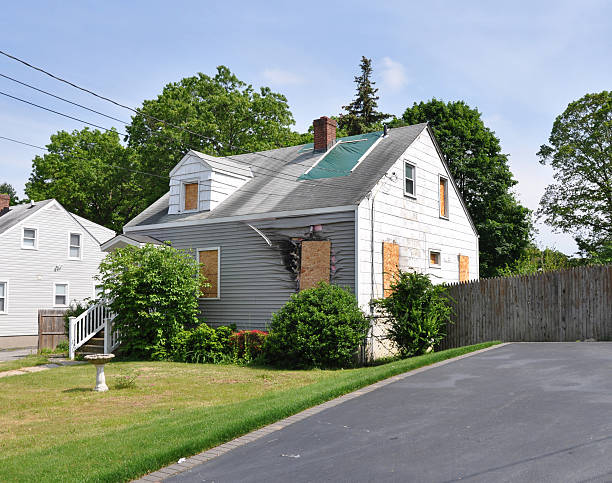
[318, 327]
[418, 312]
[75, 309]
[247, 345]
[153, 291]
[202, 344]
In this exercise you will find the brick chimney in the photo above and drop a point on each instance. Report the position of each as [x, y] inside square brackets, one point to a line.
[5, 201]
[324, 133]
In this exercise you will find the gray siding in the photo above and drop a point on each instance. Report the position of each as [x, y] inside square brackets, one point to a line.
[254, 280]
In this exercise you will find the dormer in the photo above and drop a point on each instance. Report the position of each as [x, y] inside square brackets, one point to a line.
[200, 182]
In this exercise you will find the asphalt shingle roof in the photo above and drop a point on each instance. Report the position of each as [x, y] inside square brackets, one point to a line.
[268, 192]
[18, 213]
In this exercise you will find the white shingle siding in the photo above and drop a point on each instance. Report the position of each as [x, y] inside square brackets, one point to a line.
[32, 273]
[415, 223]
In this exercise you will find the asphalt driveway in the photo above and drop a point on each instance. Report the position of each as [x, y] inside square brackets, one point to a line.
[522, 412]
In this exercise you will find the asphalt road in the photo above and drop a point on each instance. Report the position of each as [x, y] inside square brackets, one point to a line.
[522, 412]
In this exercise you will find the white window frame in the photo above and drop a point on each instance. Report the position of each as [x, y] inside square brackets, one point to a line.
[55, 284]
[80, 257]
[23, 229]
[404, 178]
[183, 197]
[6, 296]
[440, 178]
[439, 252]
[208, 249]
[95, 292]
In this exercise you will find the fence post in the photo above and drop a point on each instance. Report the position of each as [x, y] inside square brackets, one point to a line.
[107, 334]
[71, 337]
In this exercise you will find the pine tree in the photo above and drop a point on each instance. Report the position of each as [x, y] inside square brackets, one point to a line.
[362, 115]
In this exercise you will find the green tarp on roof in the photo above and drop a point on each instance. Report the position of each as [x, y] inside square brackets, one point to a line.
[343, 156]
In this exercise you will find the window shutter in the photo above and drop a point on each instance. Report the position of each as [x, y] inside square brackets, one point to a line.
[191, 196]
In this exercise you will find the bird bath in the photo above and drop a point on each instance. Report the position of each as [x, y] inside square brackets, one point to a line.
[99, 360]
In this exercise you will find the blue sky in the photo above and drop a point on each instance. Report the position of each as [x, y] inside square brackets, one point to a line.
[520, 63]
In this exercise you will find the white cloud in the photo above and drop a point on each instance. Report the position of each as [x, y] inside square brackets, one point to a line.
[393, 74]
[281, 77]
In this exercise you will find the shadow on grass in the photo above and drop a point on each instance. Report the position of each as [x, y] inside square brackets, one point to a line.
[79, 389]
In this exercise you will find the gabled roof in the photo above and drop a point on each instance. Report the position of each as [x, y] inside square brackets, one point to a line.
[275, 186]
[131, 239]
[227, 165]
[18, 213]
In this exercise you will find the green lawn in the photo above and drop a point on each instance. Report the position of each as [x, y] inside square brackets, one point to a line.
[54, 428]
[27, 361]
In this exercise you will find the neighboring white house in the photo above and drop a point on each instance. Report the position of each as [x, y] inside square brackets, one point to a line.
[48, 258]
[349, 211]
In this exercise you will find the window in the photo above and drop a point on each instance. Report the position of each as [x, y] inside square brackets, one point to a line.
[409, 179]
[191, 196]
[98, 291]
[29, 240]
[443, 197]
[210, 261]
[3, 297]
[434, 258]
[60, 295]
[75, 246]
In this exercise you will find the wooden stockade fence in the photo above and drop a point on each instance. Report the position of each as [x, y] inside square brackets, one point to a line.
[560, 306]
[51, 328]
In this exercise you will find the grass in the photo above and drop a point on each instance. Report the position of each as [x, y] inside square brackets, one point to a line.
[26, 361]
[54, 428]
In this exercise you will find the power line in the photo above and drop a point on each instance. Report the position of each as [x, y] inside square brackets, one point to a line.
[242, 190]
[138, 111]
[59, 113]
[62, 98]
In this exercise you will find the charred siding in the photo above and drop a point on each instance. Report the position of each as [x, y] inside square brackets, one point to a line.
[255, 279]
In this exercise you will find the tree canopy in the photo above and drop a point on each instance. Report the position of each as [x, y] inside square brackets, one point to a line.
[92, 175]
[362, 115]
[219, 115]
[579, 150]
[7, 189]
[483, 177]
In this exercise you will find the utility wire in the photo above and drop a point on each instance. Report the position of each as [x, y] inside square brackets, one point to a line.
[62, 99]
[138, 111]
[242, 190]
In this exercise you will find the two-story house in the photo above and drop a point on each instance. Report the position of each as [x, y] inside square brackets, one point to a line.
[349, 211]
[48, 259]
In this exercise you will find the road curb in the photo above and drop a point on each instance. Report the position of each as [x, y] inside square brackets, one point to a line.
[185, 464]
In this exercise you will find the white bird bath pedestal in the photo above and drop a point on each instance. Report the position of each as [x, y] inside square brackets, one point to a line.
[99, 360]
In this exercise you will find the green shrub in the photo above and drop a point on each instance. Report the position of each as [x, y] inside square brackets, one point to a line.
[153, 292]
[202, 344]
[75, 309]
[318, 327]
[247, 345]
[418, 312]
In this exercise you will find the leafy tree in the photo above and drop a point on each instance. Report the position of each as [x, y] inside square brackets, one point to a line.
[153, 290]
[7, 189]
[92, 175]
[483, 177]
[535, 260]
[219, 115]
[579, 150]
[362, 115]
[418, 312]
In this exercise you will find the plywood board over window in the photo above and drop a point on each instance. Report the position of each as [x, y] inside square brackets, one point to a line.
[464, 268]
[315, 263]
[443, 197]
[209, 269]
[191, 196]
[390, 265]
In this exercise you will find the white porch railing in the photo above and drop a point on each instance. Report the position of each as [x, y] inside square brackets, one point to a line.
[88, 324]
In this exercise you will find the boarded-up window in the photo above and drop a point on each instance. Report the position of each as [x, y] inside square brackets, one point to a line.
[464, 268]
[434, 258]
[390, 265]
[209, 269]
[315, 262]
[444, 197]
[191, 196]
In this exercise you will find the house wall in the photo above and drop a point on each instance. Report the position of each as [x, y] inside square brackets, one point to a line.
[31, 273]
[254, 281]
[214, 185]
[414, 223]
